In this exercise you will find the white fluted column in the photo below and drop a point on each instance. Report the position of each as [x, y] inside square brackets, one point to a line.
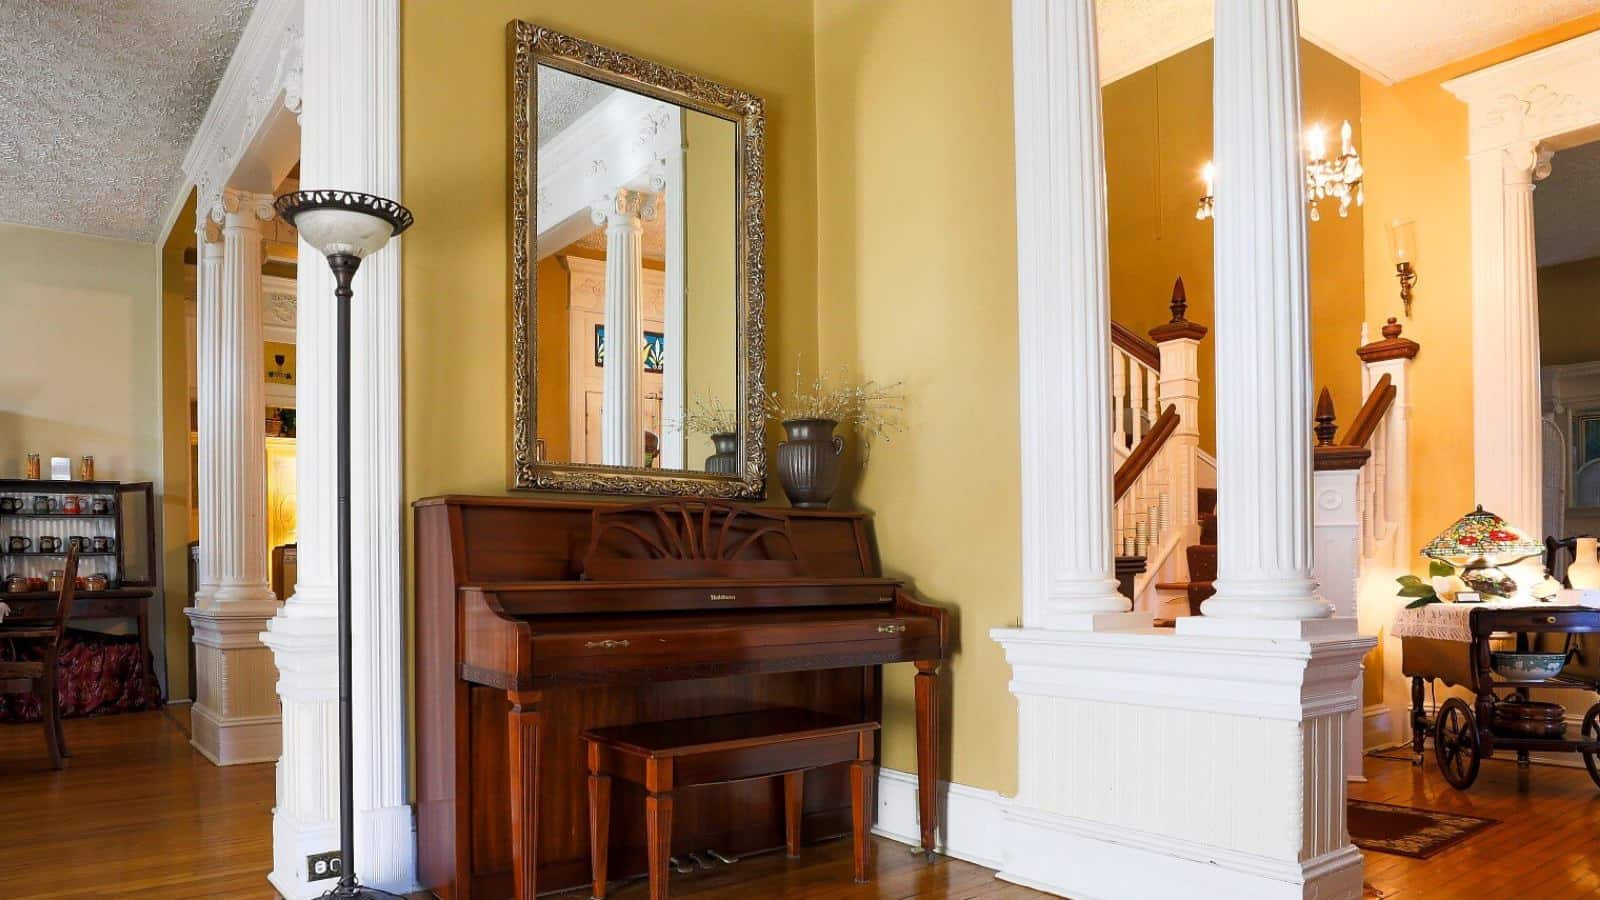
[236, 716]
[1509, 461]
[1068, 576]
[208, 301]
[621, 426]
[350, 139]
[1262, 320]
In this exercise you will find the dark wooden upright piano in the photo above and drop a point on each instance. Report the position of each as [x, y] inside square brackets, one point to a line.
[537, 619]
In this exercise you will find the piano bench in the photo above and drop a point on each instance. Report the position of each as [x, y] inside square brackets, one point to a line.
[663, 757]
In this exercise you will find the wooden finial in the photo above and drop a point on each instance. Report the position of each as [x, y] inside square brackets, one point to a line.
[1180, 326]
[1393, 346]
[1325, 427]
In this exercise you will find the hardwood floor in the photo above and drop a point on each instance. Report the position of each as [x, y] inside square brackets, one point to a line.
[137, 813]
[1547, 844]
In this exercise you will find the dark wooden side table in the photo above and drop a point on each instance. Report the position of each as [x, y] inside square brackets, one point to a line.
[664, 757]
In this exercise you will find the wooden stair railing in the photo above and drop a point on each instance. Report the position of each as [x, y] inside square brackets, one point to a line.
[1144, 453]
[1135, 346]
[1352, 452]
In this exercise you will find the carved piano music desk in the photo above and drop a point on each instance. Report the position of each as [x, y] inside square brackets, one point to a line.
[538, 619]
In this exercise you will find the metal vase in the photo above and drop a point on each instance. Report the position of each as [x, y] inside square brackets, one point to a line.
[726, 460]
[808, 462]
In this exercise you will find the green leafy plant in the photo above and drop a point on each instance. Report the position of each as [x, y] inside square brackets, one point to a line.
[1422, 592]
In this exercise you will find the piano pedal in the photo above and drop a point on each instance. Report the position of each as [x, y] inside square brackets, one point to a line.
[701, 861]
[679, 866]
[725, 860]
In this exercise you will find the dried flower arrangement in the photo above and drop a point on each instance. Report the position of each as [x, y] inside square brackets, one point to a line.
[873, 409]
[708, 415]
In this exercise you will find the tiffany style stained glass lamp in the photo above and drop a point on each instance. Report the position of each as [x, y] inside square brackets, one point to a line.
[1478, 544]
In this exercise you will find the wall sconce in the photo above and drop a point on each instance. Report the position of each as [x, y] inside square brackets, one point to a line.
[1207, 206]
[1403, 248]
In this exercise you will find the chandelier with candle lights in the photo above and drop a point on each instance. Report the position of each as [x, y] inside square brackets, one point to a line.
[1326, 179]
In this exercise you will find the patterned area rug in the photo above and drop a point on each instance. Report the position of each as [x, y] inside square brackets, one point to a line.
[1408, 831]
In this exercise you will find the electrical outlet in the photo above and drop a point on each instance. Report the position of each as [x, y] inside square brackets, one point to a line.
[322, 866]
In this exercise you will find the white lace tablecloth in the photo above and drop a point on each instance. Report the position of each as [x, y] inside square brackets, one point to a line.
[1449, 621]
[1446, 621]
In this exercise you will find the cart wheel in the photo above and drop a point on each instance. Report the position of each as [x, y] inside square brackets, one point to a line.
[1455, 743]
[1591, 732]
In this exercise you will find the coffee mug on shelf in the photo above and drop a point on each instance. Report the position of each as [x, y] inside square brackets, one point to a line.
[100, 506]
[70, 505]
[49, 543]
[10, 504]
[79, 543]
[103, 544]
[19, 544]
[44, 504]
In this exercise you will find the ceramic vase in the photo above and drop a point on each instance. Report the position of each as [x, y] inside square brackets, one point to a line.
[808, 462]
[725, 461]
[1584, 573]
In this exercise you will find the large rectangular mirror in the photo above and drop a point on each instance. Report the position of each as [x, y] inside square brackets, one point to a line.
[636, 274]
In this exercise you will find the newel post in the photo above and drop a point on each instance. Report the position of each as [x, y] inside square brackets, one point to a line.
[1179, 343]
[1389, 515]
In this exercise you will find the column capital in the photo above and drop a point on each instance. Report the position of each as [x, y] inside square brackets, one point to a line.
[243, 209]
[625, 207]
[1525, 162]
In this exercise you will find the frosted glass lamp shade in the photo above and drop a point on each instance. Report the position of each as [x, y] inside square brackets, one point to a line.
[343, 222]
[1403, 240]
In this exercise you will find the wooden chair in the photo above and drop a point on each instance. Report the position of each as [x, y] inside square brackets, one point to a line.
[42, 676]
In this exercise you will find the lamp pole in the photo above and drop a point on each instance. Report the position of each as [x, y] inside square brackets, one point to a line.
[345, 226]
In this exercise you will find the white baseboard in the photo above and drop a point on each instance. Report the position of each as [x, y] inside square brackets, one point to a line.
[237, 740]
[1093, 861]
[971, 821]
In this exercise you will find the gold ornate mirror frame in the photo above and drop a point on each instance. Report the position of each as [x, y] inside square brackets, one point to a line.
[532, 46]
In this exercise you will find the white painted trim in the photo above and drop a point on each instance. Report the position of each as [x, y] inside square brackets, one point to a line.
[970, 819]
[1088, 861]
[264, 70]
[1045, 851]
[1515, 109]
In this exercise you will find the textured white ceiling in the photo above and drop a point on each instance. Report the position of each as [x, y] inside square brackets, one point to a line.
[1566, 207]
[1389, 39]
[98, 103]
[563, 97]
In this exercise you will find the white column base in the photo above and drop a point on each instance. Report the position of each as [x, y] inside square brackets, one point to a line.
[1087, 861]
[1267, 629]
[1252, 807]
[1099, 621]
[386, 848]
[236, 718]
[305, 820]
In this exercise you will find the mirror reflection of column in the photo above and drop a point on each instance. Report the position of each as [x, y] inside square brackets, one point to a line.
[622, 431]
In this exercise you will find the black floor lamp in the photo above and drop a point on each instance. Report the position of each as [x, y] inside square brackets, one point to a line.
[345, 226]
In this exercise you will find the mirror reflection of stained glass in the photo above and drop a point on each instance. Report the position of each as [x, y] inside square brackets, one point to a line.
[637, 314]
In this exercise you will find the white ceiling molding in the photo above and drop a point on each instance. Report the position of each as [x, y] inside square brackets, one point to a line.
[1390, 41]
[260, 87]
[99, 101]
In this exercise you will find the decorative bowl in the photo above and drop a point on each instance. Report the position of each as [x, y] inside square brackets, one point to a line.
[1527, 666]
[1529, 718]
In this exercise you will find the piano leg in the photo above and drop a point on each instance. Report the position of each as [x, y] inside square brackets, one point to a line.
[927, 696]
[658, 827]
[523, 731]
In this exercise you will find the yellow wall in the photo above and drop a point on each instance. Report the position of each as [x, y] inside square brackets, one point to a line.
[175, 449]
[1415, 148]
[81, 357]
[1158, 137]
[1569, 294]
[918, 282]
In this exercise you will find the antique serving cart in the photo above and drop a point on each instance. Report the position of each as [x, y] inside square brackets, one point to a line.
[1502, 716]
